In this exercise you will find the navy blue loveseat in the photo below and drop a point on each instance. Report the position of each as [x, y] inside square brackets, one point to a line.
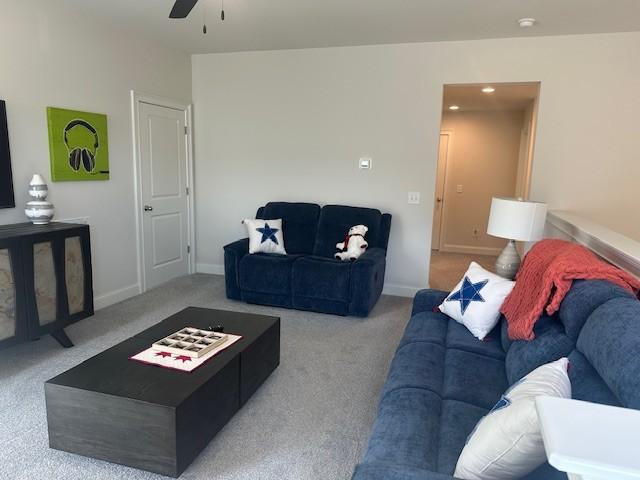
[442, 380]
[308, 277]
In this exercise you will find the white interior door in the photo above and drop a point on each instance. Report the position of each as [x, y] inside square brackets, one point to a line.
[165, 203]
[438, 204]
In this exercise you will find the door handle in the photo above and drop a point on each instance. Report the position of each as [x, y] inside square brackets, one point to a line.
[148, 208]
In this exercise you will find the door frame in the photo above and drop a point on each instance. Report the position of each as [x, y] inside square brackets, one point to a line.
[450, 134]
[138, 98]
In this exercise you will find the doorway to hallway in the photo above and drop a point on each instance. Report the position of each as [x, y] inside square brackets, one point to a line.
[486, 149]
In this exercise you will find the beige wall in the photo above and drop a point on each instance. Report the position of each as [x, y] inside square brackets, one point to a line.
[51, 56]
[483, 160]
[525, 155]
[291, 125]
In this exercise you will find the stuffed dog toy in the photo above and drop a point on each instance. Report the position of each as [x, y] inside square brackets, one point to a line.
[353, 245]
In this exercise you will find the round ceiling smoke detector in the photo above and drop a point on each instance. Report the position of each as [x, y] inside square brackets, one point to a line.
[526, 22]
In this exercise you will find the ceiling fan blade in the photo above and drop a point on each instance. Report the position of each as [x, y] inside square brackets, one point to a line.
[182, 8]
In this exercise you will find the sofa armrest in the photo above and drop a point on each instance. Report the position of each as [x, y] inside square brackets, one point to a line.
[233, 253]
[367, 280]
[426, 300]
[371, 256]
[386, 471]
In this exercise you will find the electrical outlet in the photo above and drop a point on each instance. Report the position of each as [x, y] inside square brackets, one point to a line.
[475, 232]
[413, 198]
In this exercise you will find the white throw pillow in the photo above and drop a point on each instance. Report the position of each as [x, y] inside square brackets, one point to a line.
[507, 442]
[265, 236]
[476, 300]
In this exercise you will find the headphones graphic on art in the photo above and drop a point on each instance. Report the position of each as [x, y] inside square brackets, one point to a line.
[82, 155]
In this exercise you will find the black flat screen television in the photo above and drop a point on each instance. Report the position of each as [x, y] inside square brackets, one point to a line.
[6, 181]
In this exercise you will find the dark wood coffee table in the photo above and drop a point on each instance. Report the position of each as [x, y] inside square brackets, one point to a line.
[153, 418]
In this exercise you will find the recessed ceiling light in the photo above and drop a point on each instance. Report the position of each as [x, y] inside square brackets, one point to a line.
[454, 107]
[526, 22]
[488, 89]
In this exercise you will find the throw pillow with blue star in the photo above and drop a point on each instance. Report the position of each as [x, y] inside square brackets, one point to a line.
[265, 236]
[476, 300]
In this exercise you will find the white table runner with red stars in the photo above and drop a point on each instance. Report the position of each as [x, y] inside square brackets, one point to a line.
[180, 362]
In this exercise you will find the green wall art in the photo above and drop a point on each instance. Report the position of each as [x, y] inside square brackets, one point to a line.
[78, 145]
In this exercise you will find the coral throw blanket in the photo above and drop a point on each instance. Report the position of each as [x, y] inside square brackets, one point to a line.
[546, 275]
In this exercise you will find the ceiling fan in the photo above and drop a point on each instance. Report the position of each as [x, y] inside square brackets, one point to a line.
[182, 8]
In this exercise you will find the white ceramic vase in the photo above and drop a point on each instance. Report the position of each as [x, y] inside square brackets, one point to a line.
[38, 210]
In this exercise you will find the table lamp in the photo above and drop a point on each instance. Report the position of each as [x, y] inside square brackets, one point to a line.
[515, 219]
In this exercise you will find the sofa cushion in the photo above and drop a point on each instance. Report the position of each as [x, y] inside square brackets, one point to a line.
[458, 421]
[475, 379]
[610, 341]
[546, 472]
[335, 221]
[267, 273]
[435, 327]
[505, 341]
[459, 337]
[417, 365]
[407, 429]
[427, 300]
[550, 344]
[299, 224]
[389, 471]
[324, 278]
[582, 299]
[586, 383]
[459, 371]
[429, 327]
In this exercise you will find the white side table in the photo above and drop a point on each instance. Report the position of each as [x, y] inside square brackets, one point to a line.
[590, 441]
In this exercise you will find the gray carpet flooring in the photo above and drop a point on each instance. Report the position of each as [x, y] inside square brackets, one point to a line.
[310, 420]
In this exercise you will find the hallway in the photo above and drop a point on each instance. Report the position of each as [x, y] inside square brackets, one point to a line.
[447, 268]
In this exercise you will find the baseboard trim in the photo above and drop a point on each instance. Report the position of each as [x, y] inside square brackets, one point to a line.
[470, 250]
[210, 268]
[115, 296]
[401, 290]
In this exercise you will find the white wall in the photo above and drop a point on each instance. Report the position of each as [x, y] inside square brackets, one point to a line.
[290, 125]
[53, 57]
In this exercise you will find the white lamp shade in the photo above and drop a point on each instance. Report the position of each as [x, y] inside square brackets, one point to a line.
[516, 219]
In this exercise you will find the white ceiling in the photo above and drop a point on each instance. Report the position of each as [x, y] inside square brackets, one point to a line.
[282, 24]
[507, 96]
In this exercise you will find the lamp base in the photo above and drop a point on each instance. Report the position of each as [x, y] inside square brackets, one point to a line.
[508, 262]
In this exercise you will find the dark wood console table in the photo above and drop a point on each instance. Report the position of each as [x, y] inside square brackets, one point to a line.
[45, 280]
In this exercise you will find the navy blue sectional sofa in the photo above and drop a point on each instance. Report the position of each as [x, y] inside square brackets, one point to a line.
[442, 380]
[309, 277]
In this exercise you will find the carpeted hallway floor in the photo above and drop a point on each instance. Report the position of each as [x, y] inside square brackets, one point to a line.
[310, 420]
[446, 269]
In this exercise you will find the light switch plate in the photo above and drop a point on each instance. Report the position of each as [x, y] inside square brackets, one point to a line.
[413, 198]
[365, 163]
[459, 188]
